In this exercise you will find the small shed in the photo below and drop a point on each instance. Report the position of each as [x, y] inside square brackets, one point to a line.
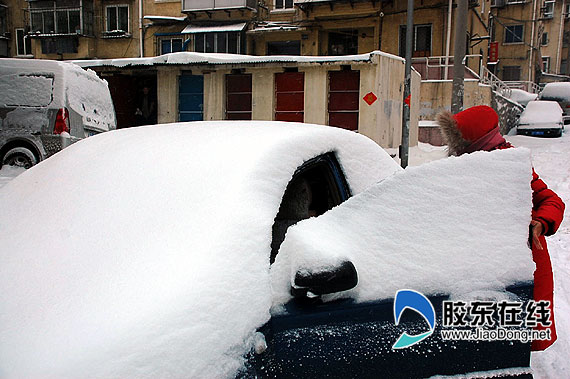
[361, 92]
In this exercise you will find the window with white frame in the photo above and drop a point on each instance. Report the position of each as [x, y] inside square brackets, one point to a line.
[171, 45]
[117, 18]
[514, 33]
[283, 4]
[548, 9]
[545, 64]
[421, 46]
[221, 42]
[544, 39]
[567, 10]
[23, 44]
[50, 17]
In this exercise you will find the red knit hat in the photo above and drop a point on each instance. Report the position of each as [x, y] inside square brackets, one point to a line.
[476, 128]
[475, 122]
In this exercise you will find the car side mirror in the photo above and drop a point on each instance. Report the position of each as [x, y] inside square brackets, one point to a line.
[334, 279]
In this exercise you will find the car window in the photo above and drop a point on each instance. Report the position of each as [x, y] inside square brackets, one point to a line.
[26, 90]
[317, 186]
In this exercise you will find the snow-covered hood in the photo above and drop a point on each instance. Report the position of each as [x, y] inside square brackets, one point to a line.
[145, 252]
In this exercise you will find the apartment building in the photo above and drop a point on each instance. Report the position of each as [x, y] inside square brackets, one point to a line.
[529, 39]
[81, 29]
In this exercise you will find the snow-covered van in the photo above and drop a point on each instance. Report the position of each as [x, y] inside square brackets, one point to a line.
[47, 105]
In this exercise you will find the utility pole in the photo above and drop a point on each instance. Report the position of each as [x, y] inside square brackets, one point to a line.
[405, 146]
[459, 48]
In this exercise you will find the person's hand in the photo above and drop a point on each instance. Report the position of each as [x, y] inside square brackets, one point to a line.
[537, 230]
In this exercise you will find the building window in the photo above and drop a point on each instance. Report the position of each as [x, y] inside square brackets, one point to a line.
[69, 17]
[544, 39]
[3, 20]
[343, 42]
[117, 18]
[284, 48]
[217, 42]
[514, 34]
[548, 9]
[511, 73]
[23, 44]
[170, 45]
[59, 45]
[545, 64]
[421, 41]
[564, 67]
[567, 11]
[283, 4]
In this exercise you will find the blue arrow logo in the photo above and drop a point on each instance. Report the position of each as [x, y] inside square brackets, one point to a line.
[417, 302]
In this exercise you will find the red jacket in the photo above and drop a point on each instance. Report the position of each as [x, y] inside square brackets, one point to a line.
[548, 209]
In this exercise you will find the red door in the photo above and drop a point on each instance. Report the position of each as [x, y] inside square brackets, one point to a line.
[290, 96]
[238, 97]
[344, 98]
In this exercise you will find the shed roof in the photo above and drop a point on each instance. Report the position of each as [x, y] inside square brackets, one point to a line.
[192, 58]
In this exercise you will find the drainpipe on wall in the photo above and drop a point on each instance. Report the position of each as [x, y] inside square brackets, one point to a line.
[141, 31]
[531, 42]
[449, 9]
[560, 37]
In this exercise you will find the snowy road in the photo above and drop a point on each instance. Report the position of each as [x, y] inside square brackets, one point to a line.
[551, 159]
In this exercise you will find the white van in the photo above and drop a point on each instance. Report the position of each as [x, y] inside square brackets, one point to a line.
[47, 105]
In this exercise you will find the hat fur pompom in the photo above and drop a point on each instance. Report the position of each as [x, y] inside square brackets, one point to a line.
[456, 144]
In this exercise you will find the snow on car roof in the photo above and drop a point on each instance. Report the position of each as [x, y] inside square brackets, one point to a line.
[453, 226]
[145, 251]
[541, 111]
[555, 91]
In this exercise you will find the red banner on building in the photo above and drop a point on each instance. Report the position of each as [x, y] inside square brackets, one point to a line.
[494, 52]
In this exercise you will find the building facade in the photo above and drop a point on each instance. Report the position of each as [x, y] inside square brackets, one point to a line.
[530, 39]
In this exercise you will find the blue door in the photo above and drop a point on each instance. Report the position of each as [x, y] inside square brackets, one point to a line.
[191, 98]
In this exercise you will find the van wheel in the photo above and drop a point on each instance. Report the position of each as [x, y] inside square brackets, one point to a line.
[19, 157]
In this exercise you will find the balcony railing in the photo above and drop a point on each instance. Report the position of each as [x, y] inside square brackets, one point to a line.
[213, 5]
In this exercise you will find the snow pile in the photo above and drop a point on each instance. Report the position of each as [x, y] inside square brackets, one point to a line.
[541, 112]
[454, 226]
[146, 252]
[556, 91]
[522, 97]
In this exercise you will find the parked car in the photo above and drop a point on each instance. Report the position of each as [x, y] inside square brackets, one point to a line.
[522, 97]
[47, 105]
[162, 249]
[541, 118]
[559, 92]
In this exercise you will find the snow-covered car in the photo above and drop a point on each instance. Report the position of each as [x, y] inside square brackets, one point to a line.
[559, 92]
[255, 249]
[541, 118]
[522, 97]
[47, 105]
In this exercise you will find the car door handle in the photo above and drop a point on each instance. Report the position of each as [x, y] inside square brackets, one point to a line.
[36, 133]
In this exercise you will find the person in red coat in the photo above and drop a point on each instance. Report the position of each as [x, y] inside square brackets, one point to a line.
[477, 128]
